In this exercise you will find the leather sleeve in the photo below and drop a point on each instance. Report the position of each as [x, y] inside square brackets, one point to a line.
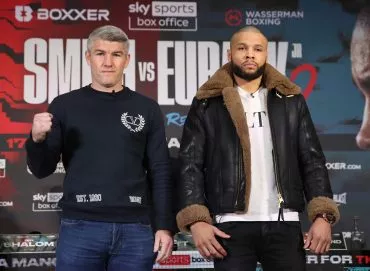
[312, 166]
[190, 185]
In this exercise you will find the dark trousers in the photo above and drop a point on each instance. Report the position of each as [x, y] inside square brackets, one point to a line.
[278, 246]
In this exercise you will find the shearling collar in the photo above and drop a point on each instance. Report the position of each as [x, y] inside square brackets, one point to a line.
[223, 78]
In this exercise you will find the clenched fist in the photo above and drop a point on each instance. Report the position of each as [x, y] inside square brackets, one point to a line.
[41, 126]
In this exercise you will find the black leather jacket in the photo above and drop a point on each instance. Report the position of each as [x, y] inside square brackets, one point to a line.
[215, 156]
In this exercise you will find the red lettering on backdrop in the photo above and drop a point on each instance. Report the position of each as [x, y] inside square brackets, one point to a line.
[313, 77]
[177, 260]
[363, 259]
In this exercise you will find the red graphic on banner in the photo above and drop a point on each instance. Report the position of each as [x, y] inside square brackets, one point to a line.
[313, 77]
[233, 17]
[177, 260]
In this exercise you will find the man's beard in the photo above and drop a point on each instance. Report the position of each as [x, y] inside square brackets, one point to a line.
[238, 71]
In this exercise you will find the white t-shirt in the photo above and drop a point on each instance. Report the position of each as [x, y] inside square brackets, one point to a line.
[263, 203]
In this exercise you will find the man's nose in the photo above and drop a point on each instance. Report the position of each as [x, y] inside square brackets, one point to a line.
[108, 60]
[249, 53]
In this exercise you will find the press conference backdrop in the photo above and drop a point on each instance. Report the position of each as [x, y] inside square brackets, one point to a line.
[175, 47]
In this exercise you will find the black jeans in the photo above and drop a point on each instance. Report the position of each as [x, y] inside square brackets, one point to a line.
[278, 246]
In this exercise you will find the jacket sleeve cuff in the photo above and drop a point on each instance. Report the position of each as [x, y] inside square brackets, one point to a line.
[165, 223]
[190, 214]
[322, 205]
[35, 146]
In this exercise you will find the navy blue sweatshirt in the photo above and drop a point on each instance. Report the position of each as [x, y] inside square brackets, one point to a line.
[114, 150]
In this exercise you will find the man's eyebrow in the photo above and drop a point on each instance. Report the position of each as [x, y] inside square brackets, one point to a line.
[114, 52]
[253, 45]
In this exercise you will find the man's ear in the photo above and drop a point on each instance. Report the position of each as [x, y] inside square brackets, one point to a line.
[88, 57]
[229, 55]
[128, 57]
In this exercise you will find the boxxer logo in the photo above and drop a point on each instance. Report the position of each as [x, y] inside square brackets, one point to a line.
[134, 124]
[23, 13]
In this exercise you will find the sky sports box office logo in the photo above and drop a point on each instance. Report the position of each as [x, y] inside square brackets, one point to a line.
[163, 16]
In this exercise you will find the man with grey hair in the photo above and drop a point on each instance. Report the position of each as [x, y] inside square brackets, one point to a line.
[116, 205]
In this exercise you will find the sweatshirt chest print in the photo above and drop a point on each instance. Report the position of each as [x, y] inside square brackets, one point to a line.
[133, 123]
[256, 119]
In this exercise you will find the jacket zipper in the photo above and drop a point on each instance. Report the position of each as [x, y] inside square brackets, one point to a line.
[239, 176]
[276, 170]
[280, 194]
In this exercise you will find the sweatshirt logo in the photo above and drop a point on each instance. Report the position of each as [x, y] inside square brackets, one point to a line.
[134, 124]
[135, 199]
